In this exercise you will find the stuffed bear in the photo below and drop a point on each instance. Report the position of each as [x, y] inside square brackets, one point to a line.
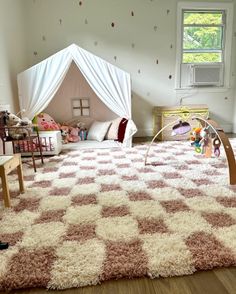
[74, 134]
[18, 128]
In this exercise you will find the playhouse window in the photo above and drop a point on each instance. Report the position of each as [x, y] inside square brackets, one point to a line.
[80, 107]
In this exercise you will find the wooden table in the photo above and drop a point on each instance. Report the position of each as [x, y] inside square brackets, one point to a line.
[7, 164]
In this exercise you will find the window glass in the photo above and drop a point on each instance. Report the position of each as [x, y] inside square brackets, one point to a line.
[202, 36]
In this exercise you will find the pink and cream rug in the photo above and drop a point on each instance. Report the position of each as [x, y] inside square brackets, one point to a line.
[93, 215]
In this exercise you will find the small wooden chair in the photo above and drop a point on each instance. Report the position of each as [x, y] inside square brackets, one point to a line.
[31, 142]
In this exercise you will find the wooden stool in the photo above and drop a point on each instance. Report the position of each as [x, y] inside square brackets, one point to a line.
[7, 164]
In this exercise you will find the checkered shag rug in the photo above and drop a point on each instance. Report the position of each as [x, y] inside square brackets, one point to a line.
[94, 215]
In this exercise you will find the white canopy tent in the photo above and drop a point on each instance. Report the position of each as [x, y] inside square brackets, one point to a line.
[38, 84]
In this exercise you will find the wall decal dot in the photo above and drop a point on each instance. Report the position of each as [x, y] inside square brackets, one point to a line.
[157, 61]
[155, 28]
[115, 58]
[171, 46]
[139, 71]
[95, 43]
[132, 13]
[60, 21]
[80, 3]
[167, 11]
[35, 53]
[43, 38]
[170, 77]
[86, 21]
[132, 45]
[113, 24]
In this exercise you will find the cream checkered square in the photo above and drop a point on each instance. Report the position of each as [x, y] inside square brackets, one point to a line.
[176, 260]
[117, 198]
[204, 204]
[117, 228]
[69, 168]
[68, 182]
[227, 236]
[5, 257]
[186, 222]
[49, 176]
[181, 183]
[46, 234]
[13, 222]
[82, 214]
[55, 202]
[85, 189]
[35, 193]
[168, 193]
[217, 190]
[133, 185]
[111, 179]
[82, 261]
[146, 209]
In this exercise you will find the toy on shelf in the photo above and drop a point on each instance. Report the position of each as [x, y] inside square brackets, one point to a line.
[202, 140]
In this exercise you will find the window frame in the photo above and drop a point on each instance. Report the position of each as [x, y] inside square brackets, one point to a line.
[80, 107]
[202, 26]
[227, 8]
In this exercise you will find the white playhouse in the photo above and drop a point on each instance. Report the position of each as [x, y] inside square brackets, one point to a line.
[39, 86]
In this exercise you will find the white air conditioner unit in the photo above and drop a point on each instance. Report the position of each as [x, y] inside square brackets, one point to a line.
[206, 74]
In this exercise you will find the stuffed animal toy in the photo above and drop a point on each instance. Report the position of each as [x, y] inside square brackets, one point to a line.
[13, 122]
[82, 130]
[81, 125]
[74, 134]
[45, 122]
[65, 134]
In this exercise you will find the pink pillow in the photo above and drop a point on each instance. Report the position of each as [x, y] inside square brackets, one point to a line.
[112, 133]
[45, 122]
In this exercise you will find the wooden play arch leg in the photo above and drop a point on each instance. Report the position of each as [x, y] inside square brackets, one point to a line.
[226, 144]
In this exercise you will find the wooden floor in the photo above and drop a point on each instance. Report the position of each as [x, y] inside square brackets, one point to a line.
[219, 281]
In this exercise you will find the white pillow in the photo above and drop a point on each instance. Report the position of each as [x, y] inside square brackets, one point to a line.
[112, 133]
[98, 130]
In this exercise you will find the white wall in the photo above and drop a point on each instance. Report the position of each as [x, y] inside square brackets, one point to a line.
[135, 44]
[12, 53]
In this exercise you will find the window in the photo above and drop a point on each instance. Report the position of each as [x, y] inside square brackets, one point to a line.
[204, 41]
[203, 36]
[80, 107]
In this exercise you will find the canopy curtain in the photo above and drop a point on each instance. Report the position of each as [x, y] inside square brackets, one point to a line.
[38, 85]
